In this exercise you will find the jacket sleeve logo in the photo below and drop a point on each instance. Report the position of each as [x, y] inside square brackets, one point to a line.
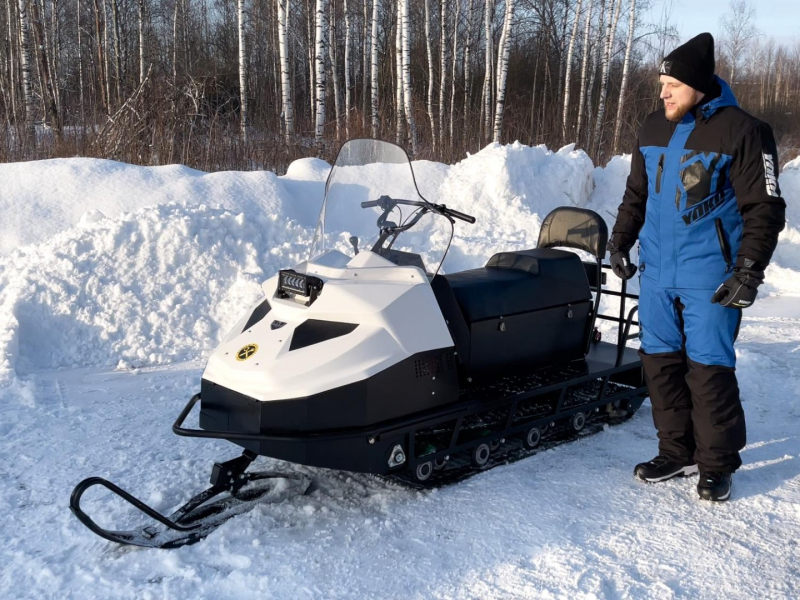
[769, 175]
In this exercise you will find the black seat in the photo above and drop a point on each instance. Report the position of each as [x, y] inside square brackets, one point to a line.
[518, 282]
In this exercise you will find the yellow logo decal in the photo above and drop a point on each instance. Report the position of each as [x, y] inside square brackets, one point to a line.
[246, 352]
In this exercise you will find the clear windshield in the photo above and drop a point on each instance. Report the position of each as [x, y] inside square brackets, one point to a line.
[372, 170]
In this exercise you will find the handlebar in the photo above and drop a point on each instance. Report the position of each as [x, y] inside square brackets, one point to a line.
[441, 209]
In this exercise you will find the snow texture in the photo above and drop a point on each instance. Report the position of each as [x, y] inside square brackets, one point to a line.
[116, 281]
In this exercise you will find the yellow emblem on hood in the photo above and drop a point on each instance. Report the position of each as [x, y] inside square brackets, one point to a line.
[246, 352]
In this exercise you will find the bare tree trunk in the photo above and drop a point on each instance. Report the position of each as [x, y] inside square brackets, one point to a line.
[141, 41]
[467, 69]
[347, 84]
[117, 57]
[443, 70]
[320, 74]
[286, 84]
[624, 84]
[366, 66]
[12, 62]
[374, 67]
[584, 66]
[431, 75]
[332, 57]
[25, 62]
[407, 92]
[502, 69]
[312, 89]
[533, 92]
[598, 48]
[56, 54]
[48, 94]
[568, 76]
[175, 44]
[455, 72]
[242, 71]
[398, 79]
[80, 66]
[601, 102]
[487, 78]
[100, 58]
[106, 70]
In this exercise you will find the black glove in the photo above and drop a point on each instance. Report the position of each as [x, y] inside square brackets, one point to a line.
[621, 264]
[740, 289]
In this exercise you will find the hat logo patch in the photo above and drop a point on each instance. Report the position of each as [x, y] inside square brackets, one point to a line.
[665, 68]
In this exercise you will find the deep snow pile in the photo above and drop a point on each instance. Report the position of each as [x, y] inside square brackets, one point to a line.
[165, 282]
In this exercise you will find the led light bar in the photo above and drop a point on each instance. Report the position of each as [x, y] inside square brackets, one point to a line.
[300, 284]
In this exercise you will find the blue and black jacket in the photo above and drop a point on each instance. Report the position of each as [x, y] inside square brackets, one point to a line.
[702, 196]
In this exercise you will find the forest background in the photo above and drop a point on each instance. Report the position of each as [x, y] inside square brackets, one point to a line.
[255, 84]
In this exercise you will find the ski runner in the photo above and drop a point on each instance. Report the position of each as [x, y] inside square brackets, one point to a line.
[703, 199]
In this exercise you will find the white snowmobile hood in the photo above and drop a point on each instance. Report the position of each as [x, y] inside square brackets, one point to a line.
[393, 309]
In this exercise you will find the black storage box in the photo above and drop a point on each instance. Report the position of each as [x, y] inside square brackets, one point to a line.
[528, 308]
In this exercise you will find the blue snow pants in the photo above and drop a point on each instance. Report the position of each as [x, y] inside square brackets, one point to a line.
[709, 329]
[688, 360]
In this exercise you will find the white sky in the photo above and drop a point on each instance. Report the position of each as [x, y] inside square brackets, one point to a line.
[774, 18]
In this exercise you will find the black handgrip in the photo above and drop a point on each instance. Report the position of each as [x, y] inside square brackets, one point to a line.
[369, 203]
[460, 215]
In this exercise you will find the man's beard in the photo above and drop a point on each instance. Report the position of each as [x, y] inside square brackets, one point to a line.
[680, 112]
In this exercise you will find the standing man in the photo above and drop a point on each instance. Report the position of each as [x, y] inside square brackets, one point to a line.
[703, 199]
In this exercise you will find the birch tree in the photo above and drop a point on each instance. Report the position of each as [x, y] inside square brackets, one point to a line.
[333, 61]
[467, 67]
[601, 101]
[141, 41]
[346, 70]
[374, 68]
[595, 58]
[25, 63]
[584, 65]
[502, 69]
[242, 71]
[453, 78]
[320, 72]
[568, 76]
[286, 84]
[407, 90]
[12, 62]
[486, 102]
[624, 84]
[431, 74]
[398, 75]
[443, 70]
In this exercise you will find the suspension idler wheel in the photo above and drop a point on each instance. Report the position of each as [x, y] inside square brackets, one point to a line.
[480, 454]
[423, 471]
[578, 421]
[532, 438]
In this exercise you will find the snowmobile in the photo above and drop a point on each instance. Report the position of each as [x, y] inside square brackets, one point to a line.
[368, 358]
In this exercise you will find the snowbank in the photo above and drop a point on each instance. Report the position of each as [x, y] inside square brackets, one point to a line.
[148, 287]
[42, 198]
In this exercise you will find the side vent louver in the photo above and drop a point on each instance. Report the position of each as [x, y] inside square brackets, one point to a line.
[433, 366]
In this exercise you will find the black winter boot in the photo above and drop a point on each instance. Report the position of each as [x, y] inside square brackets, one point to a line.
[714, 486]
[662, 468]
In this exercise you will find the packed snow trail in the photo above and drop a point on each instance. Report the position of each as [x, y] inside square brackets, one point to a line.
[570, 522]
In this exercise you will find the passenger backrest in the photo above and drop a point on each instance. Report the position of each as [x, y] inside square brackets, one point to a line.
[579, 228]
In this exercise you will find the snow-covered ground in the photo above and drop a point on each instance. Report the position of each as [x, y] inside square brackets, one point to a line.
[116, 281]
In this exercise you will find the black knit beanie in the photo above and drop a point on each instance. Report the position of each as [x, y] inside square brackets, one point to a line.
[692, 63]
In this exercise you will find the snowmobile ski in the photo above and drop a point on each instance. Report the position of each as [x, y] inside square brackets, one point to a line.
[202, 514]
